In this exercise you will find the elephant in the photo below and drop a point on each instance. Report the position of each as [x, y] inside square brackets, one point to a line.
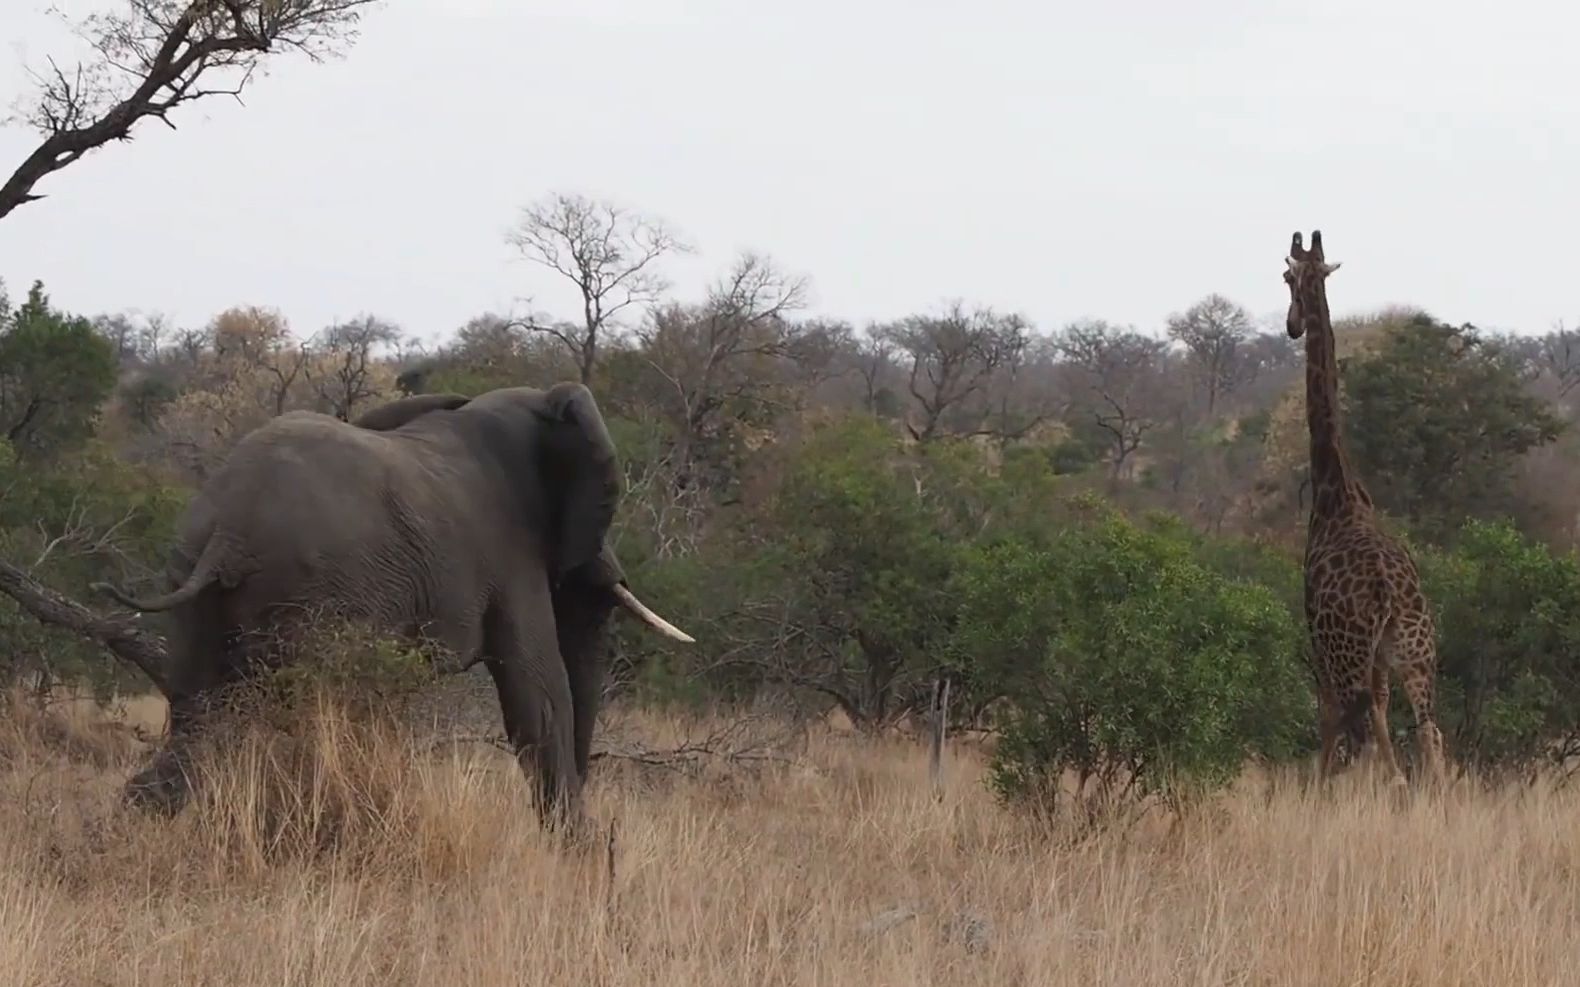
[478, 524]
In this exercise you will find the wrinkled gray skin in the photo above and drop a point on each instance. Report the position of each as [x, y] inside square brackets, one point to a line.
[477, 524]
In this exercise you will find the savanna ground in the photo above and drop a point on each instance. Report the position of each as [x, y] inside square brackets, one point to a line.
[352, 860]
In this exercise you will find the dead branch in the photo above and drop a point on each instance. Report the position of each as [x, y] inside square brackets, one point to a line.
[119, 634]
[755, 737]
[80, 536]
[673, 511]
[688, 756]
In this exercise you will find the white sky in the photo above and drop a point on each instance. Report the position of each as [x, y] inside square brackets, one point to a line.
[1061, 159]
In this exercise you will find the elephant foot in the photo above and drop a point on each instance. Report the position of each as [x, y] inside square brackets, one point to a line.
[566, 820]
[581, 831]
[162, 788]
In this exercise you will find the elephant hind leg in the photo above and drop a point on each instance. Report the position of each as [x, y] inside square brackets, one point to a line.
[535, 702]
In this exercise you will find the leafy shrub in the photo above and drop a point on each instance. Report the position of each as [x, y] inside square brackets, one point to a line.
[354, 665]
[1128, 662]
[865, 544]
[1508, 640]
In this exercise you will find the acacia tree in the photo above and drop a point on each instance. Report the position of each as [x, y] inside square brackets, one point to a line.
[1214, 332]
[608, 252]
[152, 56]
[953, 357]
[872, 355]
[1557, 355]
[720, 358]
[1115, 369]
[346, 370]
[242, 369]
[1440, 418]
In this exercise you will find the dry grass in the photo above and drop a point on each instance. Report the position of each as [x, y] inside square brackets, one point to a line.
[378, 866]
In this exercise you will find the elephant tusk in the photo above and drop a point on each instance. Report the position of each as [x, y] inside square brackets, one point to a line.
[630, 602]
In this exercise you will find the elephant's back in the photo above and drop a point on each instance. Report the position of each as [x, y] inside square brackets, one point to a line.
[307, 492]
[337, 514]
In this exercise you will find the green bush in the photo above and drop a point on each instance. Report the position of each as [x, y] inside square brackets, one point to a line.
[863, 533]
[55, 373]
[361, 668]
[72, 522]
[1508, 613]
[1128, 662]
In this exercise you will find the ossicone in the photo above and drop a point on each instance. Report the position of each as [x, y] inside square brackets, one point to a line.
[1298, 253]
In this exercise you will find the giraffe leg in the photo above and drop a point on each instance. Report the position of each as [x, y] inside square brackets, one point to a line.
[1328, 731]
[1413, 650]
[1419, 689]
[1379, 717]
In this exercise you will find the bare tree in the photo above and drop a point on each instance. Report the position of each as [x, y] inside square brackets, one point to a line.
[874, 359]
[953, 356]
[609, 253]
[122, 333]
[726, 350]
[343, 375]
[1114, 368]
[1560, 357]
[152, 335]
[1214, 332]
[155, 55]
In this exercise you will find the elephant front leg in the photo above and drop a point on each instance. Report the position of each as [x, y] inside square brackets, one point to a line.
[165, 785]
[535, 703]
[579, 619]
[587, 675]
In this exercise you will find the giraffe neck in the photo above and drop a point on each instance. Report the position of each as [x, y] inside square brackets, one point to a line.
[1335, 490]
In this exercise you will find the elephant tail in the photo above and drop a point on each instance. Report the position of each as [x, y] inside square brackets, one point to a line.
[208, 569]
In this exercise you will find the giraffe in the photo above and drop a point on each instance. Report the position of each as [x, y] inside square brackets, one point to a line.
[1365, 612]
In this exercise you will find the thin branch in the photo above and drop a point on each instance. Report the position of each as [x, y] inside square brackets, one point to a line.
[162, 54]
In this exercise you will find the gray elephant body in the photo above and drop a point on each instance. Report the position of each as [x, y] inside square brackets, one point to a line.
[477, 525]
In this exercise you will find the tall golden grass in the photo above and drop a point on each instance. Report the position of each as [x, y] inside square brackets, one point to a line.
[357, 856]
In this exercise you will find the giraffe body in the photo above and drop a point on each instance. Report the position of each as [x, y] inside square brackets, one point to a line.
[1366, 615]
[1368, 621]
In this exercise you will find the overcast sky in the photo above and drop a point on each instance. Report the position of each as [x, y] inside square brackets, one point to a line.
[1061, 159]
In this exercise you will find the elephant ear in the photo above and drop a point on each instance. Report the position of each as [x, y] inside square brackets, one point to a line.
[393, 415]
[584, 471]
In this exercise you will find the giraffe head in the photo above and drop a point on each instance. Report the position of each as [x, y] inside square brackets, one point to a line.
[1306, 274]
